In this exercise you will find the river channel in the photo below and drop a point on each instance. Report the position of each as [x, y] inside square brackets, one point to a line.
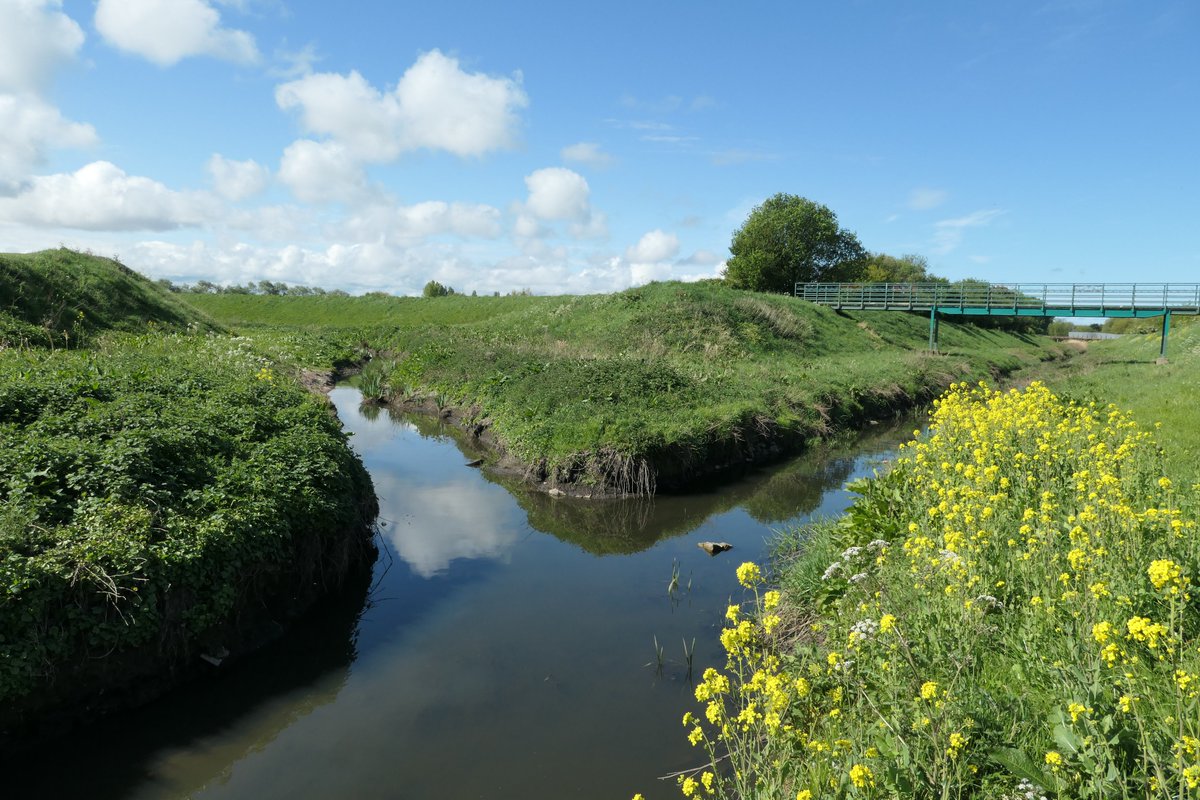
[505, 646]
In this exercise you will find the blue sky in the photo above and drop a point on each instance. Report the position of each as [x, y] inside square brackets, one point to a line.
[572, 148]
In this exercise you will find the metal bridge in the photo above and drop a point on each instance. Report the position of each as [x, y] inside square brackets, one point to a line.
[1012, 300]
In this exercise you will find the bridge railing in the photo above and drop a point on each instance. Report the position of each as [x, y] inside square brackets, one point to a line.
[1181, 297]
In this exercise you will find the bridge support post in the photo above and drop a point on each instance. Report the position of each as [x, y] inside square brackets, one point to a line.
[1166, 329]
[933, 330]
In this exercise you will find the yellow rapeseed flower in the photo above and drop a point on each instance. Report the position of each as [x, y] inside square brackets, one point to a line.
[929, 690]
[749, 575]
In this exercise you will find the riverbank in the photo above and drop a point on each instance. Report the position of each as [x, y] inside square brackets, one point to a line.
[171, 499]
[652, 389]
[1008, 610]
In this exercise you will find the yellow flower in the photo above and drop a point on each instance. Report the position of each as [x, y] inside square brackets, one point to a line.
[707, 779]
[749, 575]
[804, 794]
[957, 742]
[886, 623]
[929, 690]
[770, 600]
[731, 614]
[861, 776]
[1054, 758]
[689, 786]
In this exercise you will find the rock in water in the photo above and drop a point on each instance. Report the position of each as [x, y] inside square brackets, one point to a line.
[712, 548]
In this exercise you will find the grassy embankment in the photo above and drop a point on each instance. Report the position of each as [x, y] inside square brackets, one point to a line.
[648, 388]
[165, 493]
[1012, 609]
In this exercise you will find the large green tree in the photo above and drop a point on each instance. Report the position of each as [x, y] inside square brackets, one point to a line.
[789, 240]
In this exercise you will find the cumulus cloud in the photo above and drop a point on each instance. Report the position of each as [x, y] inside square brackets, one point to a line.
[435, 105]
[237, 180]
[557, 193]
[28, 128]
[924, 198]
[948, 233]
[588, 154]
[168, 31]
[35, 39]
[654, 246]
[101, 197]
[318, 172]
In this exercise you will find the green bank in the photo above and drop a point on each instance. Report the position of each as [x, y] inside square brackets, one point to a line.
[170, 495]
[649, 389]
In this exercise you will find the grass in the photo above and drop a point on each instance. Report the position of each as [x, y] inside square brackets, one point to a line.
[62, 298]
[1123, 372]
[646, 388]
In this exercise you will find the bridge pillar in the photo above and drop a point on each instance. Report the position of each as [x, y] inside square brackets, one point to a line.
[1166, 329]
[933, 330]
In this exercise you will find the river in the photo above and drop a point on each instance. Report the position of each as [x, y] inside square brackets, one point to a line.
[506, 645]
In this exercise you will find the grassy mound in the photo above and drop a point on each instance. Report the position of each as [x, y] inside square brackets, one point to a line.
[61, 297]
[651, 387]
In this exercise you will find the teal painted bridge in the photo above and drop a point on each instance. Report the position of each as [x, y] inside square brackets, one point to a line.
[1012, 300]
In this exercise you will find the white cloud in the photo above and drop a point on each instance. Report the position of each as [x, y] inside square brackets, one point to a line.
[654, 246]
[557, 193]
[318, 172]
[101, 197]
[167, 31]
[29, 127]
[587, 153]
[237, 180]
[405, 224]
[948, 233]
[35, 38]
[924, 198]
[435, 105]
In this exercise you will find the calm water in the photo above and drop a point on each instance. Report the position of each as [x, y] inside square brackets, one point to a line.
[503, 648]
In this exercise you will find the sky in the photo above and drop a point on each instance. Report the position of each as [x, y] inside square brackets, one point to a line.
[572, 148]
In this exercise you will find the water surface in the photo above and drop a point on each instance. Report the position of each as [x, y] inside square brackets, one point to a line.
[503, 648]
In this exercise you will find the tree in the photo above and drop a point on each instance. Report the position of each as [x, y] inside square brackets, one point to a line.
[789, 240]
[882, 268]
[435, 289]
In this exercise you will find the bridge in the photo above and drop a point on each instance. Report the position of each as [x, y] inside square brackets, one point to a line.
[1012, 300]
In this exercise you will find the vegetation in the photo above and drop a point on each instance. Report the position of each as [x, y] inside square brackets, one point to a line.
[162, 492]
[789, 240]
[654, 386]
[59, 298]
[1009, 610]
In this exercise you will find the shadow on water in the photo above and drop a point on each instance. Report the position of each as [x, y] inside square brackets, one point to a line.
[275, 686]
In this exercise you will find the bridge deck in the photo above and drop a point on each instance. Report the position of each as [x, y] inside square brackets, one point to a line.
[1017, 299]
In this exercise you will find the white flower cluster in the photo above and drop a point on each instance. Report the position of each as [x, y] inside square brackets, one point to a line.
[851, 554]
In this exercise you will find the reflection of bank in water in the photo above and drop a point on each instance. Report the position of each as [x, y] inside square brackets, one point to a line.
[771, 495]
[194, 736]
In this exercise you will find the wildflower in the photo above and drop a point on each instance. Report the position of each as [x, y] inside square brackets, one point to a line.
[1077, 710]
[887, 623]
[770, 600]
[1054, 758]
[748, 575]
[861, 776]
[1125, 703]
[804, 794]
[688, 786]
[831, 570]
[957, 742]
[732, 612]
[929, 690]
[1102, 631]
[707, 779]
[1164, 571]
